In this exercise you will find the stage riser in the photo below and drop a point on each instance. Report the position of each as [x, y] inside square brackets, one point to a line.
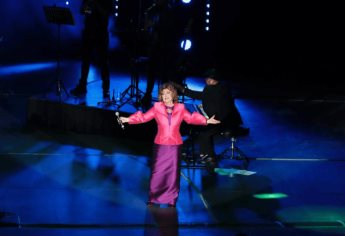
[84, 119]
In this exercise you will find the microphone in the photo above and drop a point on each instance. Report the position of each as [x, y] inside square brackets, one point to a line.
[119, 120]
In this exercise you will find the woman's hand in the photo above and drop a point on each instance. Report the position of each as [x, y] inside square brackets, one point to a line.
[124, 119]
[212, 120]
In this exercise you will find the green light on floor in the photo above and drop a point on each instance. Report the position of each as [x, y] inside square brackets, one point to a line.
[270, 195]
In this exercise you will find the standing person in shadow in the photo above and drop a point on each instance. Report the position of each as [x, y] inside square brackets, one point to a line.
[217, 101]
[95, 42]
[162, 46]
[169, 114]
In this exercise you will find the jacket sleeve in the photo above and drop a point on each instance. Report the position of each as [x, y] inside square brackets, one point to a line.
[193, 94]
[140, 117]
[194, 118]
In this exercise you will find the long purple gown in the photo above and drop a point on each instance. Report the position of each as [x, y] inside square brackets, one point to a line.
[165, 174]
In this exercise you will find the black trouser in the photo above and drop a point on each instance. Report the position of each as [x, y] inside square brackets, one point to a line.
[97, 44]
[205, 135]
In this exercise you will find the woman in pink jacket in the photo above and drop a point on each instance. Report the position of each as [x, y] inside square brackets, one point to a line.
[169, 114]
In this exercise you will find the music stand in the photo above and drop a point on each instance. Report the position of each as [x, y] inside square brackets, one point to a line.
[133, 90]
[59, 16]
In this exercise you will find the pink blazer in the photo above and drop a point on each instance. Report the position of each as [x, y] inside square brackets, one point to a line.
[168, 134]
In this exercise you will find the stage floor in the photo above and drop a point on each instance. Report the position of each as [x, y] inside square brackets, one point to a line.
[59, 181]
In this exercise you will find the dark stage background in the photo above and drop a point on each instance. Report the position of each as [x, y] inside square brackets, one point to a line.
[67, 167]
[296, 43]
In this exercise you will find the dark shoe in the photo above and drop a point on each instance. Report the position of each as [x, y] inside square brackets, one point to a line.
[186, 157]
[79, 90]
[150, 204]
[171, 205]
[106, 94]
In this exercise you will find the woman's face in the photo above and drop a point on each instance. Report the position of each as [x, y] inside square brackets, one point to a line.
[167, 96]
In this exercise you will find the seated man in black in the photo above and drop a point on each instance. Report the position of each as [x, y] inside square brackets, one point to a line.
[216, 100]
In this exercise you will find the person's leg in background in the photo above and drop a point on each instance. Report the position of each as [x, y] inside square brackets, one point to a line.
[103, 52]
[153, 68]
[86, 52]
[206, 143]
[150, 82]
